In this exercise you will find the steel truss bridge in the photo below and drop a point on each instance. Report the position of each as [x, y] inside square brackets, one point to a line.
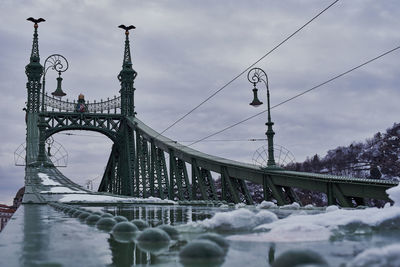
[138, 165]
[143, 164]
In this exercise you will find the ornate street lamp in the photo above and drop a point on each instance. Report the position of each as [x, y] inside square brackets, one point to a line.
[60, 64]
[256, 75]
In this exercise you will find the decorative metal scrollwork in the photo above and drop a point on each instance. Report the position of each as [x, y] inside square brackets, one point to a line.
[257, 75]
[283, 156]
[57, 62]
[101, 106]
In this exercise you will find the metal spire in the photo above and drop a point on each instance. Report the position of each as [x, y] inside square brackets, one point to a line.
[127, 76]
[35, 45]
[127, 61]
[34, 71]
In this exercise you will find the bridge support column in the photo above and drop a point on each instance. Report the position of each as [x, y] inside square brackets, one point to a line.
[329, 194]
[291, 194]
[343, 200]
[266, 191]
[42, 157]
[276, 191]
[228, 187]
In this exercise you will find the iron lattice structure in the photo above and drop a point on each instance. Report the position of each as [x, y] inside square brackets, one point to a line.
[112, 105]
[283, 156]
[144, 163]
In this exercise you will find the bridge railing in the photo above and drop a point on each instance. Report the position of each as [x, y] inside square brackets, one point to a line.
[112, 105]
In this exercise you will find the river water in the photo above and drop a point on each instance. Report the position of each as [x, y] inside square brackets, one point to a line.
[259, 235]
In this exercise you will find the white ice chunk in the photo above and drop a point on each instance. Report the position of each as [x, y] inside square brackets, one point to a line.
[320, 226]
[388, 256]
[237, 220]
[331, 208]
[296, 233]
[309, 207]
[293, 206]
[266, 205]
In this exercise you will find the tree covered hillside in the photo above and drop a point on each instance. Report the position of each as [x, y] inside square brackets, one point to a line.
[376, 158]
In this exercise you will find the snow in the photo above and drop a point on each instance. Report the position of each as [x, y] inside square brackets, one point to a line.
[240, 205]
[236, 220]
[46, 180]
[309, 207]
[266, 205]
[394, 194]
[87, 198]
[293, 206]
[335, 221]
[331, 208]
[61, 189]
[388, 256]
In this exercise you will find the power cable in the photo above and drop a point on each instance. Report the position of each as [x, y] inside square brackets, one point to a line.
[87, 135]
[225, 140]
[249, 67]
[298, 95]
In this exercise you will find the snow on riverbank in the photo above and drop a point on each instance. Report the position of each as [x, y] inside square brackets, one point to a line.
[97, 198]
[306, 227]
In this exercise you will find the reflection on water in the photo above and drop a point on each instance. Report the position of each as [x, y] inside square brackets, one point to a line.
[128, 254]
[157, 215]
[345, 243]
[131, 254]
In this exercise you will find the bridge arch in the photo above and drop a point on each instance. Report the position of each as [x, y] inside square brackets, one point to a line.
[106, 124]
[111, 135]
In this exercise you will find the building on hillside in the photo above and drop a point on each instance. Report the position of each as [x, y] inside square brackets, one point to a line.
[6, 212]
[18, 197]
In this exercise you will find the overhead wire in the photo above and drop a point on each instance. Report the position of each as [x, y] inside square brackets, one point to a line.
[249, 67]
[298, 95]
[184, 141]
[224, 140]
[87, 135]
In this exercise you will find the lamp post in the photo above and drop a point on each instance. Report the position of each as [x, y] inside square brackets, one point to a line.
[60, 64]
[257, 75]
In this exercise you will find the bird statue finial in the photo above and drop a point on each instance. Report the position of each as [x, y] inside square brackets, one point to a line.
[36, 21]
[126, 28]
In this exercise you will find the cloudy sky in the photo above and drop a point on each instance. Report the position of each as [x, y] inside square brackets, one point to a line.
[184, 51]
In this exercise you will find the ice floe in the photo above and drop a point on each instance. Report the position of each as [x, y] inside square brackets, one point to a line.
[331, 208]
[388, 256]
[316, 227]
[237, 220]
[266, 205]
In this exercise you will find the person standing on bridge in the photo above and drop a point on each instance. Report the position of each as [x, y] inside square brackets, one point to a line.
[81, 106]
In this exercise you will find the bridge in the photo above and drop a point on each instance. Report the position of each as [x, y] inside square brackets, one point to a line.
[137, 172]
[137, 165]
